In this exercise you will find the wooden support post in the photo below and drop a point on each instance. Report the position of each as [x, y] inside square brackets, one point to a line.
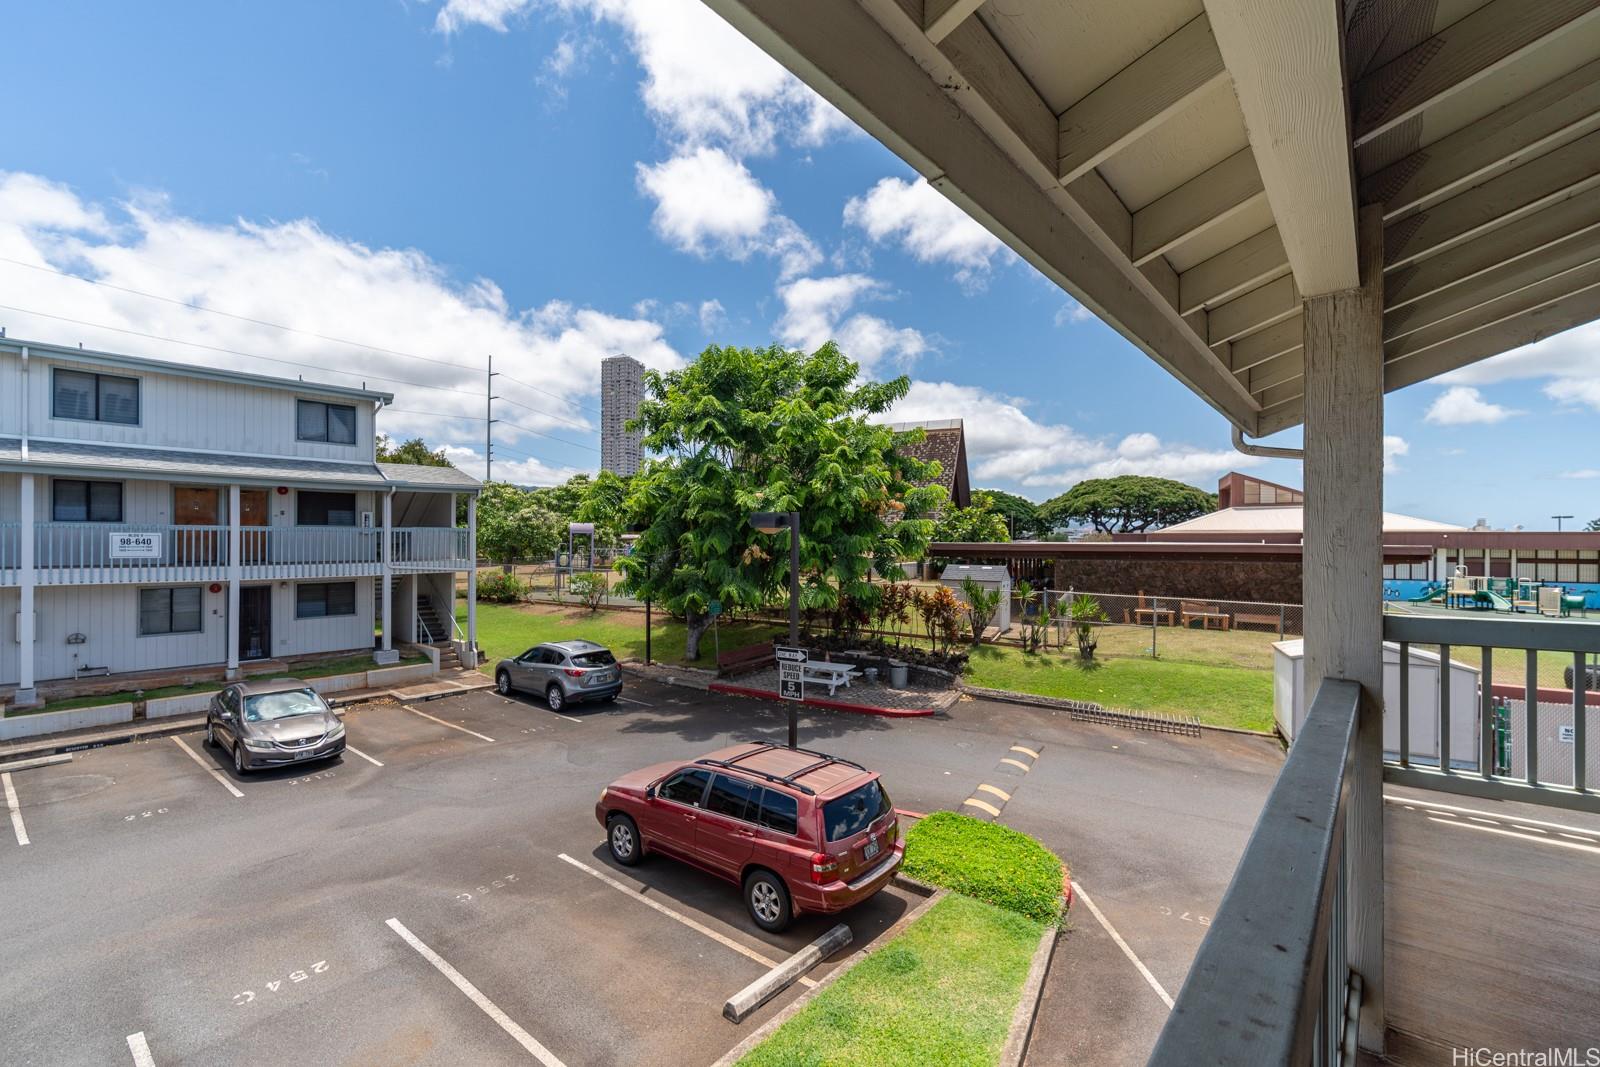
[1343, 575]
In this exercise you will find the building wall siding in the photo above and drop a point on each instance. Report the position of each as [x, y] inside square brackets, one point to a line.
[9, 601]
[10, 496]
[11, 394]
[194, 413]
[108, 618]
[304, 637]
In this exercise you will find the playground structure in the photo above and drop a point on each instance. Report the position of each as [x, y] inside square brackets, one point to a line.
[1477, 593]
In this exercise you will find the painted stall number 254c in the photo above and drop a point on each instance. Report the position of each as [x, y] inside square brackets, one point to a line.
[296, 977]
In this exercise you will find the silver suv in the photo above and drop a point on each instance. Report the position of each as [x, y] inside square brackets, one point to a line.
[566, 672]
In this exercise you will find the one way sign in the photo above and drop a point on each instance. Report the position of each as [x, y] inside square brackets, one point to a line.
[791, 655]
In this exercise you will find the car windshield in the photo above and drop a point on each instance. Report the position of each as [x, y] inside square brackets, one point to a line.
[853, 812]
[601, 658]
[267, 706]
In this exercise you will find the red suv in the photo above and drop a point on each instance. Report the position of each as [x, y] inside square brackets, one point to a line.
[800, 831]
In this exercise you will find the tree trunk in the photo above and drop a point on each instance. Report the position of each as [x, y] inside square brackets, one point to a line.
[696, 623]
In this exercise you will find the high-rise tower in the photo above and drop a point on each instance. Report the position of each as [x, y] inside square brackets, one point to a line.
[621, 389]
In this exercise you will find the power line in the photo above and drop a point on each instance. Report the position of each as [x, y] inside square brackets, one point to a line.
[501, 422]
[280, 326]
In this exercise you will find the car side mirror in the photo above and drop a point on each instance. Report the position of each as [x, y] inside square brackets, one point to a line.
[650, 793]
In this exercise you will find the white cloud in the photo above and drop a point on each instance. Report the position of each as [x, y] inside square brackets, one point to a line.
[927, 225]
[1462, 405]
[296, 274]
[708, 202]
[713, 317]
[1005, 443]
[704, 81]
[1583, 474]
[1073, 313]
[1393, 448]
[515, 469]
[815, 311]
[1571, 360]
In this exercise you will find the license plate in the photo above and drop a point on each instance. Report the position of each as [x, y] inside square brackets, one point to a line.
[870, 850]
[305, 755]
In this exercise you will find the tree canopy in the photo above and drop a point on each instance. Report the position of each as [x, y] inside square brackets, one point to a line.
[1129, 503]
[743, 430]
[977, 523]
[415, 451]
[513, 524]
[1021, 514]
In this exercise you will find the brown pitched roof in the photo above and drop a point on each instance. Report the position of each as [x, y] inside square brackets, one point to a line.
[945, 442]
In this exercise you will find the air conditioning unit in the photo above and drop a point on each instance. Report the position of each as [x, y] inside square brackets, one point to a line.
[366, 520]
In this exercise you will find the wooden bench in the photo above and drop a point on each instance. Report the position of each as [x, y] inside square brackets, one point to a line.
[1252, 618]
[1152, 614]
[746, 659]
[1191, 610]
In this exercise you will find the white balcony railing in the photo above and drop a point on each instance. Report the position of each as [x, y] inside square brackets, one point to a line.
[92, 553]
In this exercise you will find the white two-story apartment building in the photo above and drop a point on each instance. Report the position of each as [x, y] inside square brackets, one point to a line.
[158, 516]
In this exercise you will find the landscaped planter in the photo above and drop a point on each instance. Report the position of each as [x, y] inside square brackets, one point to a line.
[48, 722]
[338, 683]
[410, 672]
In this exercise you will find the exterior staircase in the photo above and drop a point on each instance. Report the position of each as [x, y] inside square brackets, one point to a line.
[440, 631]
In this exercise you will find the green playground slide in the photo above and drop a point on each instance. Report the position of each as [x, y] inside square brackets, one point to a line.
[1500, 603]
[1427, 597]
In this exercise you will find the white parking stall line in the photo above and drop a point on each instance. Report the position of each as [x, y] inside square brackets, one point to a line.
[488, 1007]
[698, 927]
[212, 771]
[1166, 998]
[641, 703]
[1445, 809]
[141, 1050]
[351, 748]
[1589, 847]
[453, 726]
[16, 811]
[569, 718]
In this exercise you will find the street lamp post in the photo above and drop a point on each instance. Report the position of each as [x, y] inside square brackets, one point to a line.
[771, 522]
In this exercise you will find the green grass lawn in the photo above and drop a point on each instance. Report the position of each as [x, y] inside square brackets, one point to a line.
[1223, 694]
[1217, 695]
[308, 669]
[942, 992]
[986, 861]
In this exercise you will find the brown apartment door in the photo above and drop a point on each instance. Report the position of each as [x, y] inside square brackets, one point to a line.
[253, 517]
[192, 506]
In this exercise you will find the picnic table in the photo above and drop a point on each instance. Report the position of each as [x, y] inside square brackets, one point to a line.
[1207, 614]
[1152, 614]
[832, 675]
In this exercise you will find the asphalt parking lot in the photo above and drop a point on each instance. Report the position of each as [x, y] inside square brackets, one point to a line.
[441, 894]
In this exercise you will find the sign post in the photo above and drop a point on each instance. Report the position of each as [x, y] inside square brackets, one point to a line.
[792, 684]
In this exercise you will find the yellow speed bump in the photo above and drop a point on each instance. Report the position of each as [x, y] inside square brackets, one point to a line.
[1001, 793]
[1015, 763]
[982, 805]
[1028, 751]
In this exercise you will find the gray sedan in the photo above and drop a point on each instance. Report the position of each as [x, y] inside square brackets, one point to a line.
[564, 672]
[272, 724]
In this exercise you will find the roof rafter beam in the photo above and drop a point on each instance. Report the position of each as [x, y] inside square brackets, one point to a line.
[1535, 325]
[1265, 305]
[1458, 56]
[1536, 232]
[1287, 65]
[1574, 253]
[1544, 119]
[1265, 344]
[1553, 177]
[1492, 312]
[940, 17]
[879, 73]
[1137, 98]
[1236, 270]
[1208, 199]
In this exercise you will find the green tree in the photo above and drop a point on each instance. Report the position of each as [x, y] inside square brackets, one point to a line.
[414, 451]
[976, 523]
[564, 499]
[1129, 503]
[1021, 514]
[605, 504]
[743, 430]
[1594, 526]
[512, 524]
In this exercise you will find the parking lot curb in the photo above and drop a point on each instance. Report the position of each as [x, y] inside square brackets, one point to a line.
[1033, 700]
[829, 705]
[735, 1054]
[1016, 1045]
[747, 1000]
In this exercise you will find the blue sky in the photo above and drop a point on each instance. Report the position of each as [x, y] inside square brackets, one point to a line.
[555, 181]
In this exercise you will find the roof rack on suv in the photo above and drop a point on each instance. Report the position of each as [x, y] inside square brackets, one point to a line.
[729, 765]
[765, 746]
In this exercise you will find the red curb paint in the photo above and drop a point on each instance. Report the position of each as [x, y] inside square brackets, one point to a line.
[910, 814]
[819, 702]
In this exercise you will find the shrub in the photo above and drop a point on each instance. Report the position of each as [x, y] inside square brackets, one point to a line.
[985, 860]
[500, 588]
[589, 587]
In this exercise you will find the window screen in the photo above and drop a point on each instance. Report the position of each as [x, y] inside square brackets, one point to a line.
[175, 610]
[323, 599]
[76, 501]
[316, 421]
[95, 397]
[325, 509]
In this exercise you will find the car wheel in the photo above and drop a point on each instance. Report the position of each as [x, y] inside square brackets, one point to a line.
[502, 683]
[622, 833]
[555, 698]
[238, 759]
[768, 900]
[211, 735]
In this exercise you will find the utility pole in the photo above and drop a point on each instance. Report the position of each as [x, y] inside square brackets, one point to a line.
[1558, 519]
[488, 425]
